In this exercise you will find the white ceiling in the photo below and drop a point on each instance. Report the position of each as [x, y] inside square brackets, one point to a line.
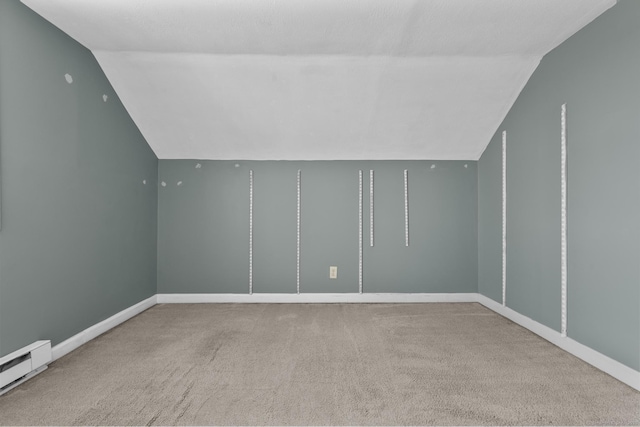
[319, 79]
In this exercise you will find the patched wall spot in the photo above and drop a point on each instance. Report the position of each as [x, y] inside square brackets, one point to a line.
[164, 184]
[105, 97]
[68, 78]
[179, 183]
[198, 166]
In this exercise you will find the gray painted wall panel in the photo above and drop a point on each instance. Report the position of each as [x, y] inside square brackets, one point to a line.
[274, 225]
[203, 241]
[533, 206]
[442, 224]
[490, 220]
[384, 259]
[596, 73]
[442, 256]
[329, 235]
[78, 236]
[604, 183]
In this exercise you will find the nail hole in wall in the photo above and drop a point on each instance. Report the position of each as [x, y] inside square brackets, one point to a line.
[68, 78]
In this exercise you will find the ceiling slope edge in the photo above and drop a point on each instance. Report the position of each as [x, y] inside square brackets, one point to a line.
[416, 122]
[581, 23]
[517, 90]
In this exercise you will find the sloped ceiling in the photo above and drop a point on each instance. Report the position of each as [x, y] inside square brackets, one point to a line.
[319, 79]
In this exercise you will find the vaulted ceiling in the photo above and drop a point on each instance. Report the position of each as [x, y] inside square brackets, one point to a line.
[319, 79]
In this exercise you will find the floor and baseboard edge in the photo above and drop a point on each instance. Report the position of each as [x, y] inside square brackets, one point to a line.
[100, 328]
[320, 298]
[621, 372]
[606, 364]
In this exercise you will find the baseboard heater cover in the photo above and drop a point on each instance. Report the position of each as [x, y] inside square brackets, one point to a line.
[21, 365]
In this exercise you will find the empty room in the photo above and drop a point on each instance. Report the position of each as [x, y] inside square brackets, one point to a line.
[319, 212]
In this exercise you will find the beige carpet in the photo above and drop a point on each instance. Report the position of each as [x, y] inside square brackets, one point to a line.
[330, 364]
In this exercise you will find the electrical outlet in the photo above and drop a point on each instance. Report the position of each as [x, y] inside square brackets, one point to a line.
[333, 272]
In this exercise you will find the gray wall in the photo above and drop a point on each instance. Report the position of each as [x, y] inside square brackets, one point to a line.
[78, 238]
[203, 238]
[490, 220]
[596, 73]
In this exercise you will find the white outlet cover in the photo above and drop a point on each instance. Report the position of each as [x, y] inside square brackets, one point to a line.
[333, 272]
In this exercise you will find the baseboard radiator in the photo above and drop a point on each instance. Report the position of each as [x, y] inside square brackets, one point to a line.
[19, 366]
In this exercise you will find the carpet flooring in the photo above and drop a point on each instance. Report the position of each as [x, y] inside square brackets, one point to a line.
[320, 364]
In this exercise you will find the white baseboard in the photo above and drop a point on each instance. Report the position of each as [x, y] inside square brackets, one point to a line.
[612, 367]
[308, 298]
[90, 333]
